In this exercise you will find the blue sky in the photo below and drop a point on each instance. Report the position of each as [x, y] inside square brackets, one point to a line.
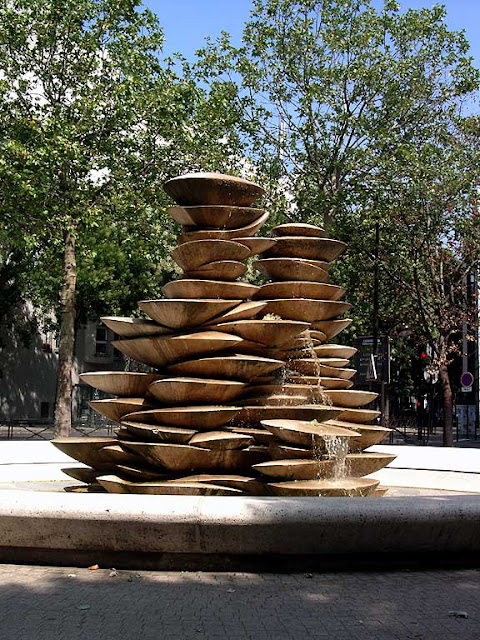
[186, 23]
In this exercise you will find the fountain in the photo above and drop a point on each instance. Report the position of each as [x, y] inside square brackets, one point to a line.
[245, 395]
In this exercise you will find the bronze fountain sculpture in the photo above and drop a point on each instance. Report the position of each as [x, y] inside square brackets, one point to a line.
[246, 396]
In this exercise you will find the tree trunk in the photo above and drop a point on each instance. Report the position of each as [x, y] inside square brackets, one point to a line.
[447, 405]
[63, 406]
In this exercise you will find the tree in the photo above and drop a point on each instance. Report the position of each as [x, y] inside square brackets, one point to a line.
[358, 112]
[92, 122]
[329, 88]
[432, 229]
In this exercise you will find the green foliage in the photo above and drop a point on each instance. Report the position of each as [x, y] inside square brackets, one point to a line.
[357, 114]
[92, 122]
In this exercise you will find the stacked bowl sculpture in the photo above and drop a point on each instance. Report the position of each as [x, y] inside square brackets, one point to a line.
[245, 394]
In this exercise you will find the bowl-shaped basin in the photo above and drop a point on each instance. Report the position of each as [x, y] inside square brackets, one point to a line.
[220, 440]
[212, 289]
[88, 450]
[134, 327]
[351, 398]
[255, 415]
[158, 352]
[324, 249]
[346, 487]
[193, 189]
[194, 254]
[279, 269]
[299, 289]
[115, 408]
[225, 234]
[226, 270]
[215, 217]
[180, 314]
[233, 367]
[115, 484]
[158, 433]
[181, 391]
[306, 309]
[180, 458]
[305, 434]
[120, 383]
[270, 333]
[204, 418]
[299, 229]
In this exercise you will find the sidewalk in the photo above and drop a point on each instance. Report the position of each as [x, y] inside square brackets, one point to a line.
[50, 603]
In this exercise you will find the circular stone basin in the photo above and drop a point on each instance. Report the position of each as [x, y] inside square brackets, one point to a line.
[212, 289]
[115, 408]
[115, 484]
[351, 397]
[88, 450]
[299, 289]
[159, 433]
[158, 352]
[244, 311]
[181, 313]
[305, 309]
[236, 367]
[120, 383]
[218, 270]
[316, 367]
[331, 328]
[335, 351]
[282, 388]
[299, 229]
[244, 483]
[256, 245]
[303, 356]
[173, 391]
[365, 463]
[278, 400]
[216, 216]
[322, 381]
[296, 469]
[204, 418]
[357, 415]
[369, 434]
[293, 269]
[324, 249]
[305, 434]
[270, 333]
[192, 255]
[193, 189]
[255, 415]
[346, 487]
[281, 451]
[262, 437]
[356, 465]
[225, 234]
[82, 474]
[134, 327]
[221, 440]
[181, 458]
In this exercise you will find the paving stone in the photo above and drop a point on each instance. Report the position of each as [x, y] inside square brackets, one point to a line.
[44, 603]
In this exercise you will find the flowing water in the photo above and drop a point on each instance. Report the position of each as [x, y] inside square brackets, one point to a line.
[337, 449]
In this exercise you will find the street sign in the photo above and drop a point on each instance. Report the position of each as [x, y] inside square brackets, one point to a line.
[466, 389]
[466, 380]
[370, 367]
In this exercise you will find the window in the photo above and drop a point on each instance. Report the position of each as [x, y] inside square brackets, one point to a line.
[44, 410]
[101, 341]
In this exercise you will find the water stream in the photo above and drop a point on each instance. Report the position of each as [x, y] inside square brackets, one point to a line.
[336, 450]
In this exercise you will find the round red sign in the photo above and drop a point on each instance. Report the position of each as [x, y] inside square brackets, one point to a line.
[466, 379]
